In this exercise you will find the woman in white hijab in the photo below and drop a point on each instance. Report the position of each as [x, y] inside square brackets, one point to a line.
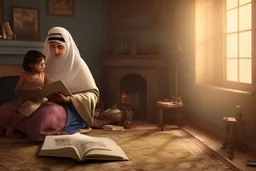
[61, 114]
[63, 62]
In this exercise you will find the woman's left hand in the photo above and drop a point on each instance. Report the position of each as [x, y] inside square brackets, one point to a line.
[59, 97]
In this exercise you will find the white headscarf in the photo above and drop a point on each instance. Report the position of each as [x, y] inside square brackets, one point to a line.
[71, 68]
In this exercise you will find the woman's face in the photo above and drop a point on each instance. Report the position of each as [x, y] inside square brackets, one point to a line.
[58, 50]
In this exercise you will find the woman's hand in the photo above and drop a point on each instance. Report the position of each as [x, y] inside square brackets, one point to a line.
[60, 98]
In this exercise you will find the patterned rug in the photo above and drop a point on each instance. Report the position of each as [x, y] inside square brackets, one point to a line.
[147, 148]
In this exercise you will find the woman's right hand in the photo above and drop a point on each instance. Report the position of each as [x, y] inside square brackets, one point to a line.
[60, 98]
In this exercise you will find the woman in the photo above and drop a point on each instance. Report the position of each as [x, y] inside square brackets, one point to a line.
[63, 114]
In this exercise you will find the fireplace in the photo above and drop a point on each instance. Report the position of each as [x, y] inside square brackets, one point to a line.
[133, 94]
[135, 81]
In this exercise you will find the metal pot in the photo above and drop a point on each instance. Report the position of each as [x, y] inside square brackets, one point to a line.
[114, 115]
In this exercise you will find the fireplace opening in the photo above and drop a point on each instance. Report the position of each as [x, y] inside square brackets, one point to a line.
[133, 94]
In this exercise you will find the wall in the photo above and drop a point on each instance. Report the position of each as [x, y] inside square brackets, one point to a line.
[87, 26]
[11, 55]
[206, 106]
[149, 26]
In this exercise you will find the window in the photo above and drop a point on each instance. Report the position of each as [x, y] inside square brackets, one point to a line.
[238, 35]
[224, 54]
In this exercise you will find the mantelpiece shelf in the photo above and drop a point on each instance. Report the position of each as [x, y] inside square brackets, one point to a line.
[131, 56]
[132, 61]
[16, 47]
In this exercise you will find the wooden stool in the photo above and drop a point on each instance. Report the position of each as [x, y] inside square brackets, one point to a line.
[229, 140]
[234, 135]
[178, 108]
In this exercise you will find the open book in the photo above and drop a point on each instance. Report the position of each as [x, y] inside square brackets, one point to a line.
[29, 93]
[82, 147]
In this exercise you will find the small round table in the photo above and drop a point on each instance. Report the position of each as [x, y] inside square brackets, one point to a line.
[170, 105]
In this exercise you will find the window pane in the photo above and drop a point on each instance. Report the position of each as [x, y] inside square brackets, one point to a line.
[245, 44]
[232, 70]
[232, 46]
[245, 68]
[245, 17]
[231, 4]
[232, 21]
[241, 2]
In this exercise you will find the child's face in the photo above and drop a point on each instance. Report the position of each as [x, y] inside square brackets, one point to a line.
[38, 67]
[58, 49]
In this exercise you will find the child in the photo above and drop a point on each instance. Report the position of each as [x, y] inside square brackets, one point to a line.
[33, 76]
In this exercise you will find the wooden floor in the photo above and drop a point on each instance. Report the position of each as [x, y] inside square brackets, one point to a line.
[215, 143]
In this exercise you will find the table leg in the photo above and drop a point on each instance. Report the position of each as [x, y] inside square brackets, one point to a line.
[160, 114]
[230, 141]
[178, 118]
[225, 143]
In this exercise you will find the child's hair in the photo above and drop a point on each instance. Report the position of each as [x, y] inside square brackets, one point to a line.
[32, 57]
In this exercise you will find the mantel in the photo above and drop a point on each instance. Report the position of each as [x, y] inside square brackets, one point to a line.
[132, 61]
[19, 48]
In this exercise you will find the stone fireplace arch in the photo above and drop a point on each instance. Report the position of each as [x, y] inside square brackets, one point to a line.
[149, 68]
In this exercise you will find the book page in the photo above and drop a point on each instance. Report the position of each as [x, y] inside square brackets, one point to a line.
[55, 145]
[85, 143]
[115, 152]
[55, 87]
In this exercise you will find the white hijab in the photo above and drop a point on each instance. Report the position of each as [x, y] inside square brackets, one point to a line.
[71, 68]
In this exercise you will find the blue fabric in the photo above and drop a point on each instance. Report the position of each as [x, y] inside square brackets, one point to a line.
[74, 120]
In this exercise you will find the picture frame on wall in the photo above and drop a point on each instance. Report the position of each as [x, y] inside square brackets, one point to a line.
[26, 23]
[135, 14]
[60, 7]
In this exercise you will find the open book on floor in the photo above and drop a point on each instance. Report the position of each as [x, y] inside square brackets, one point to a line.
[29, 93]
[82, 147]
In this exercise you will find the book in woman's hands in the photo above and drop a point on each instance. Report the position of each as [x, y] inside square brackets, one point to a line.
[30, 93]
[82, 147]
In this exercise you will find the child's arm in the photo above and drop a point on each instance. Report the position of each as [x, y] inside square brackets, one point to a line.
[20, 82]
[45, 79]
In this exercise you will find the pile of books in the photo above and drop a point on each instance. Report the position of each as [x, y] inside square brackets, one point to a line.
[7, 32]
[113, 128]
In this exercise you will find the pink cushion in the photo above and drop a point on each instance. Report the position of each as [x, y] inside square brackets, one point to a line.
[49, 119]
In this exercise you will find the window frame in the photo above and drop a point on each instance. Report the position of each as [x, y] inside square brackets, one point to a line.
[212, 72]
[230, 84]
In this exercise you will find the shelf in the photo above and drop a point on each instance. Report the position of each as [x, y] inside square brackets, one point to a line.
[131, 56]
[16, 47]
[132, 61]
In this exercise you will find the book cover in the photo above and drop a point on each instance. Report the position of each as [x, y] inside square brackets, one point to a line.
[30, 93]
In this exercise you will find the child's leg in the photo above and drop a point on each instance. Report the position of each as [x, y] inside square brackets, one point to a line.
[2, 131]
[14, 122]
